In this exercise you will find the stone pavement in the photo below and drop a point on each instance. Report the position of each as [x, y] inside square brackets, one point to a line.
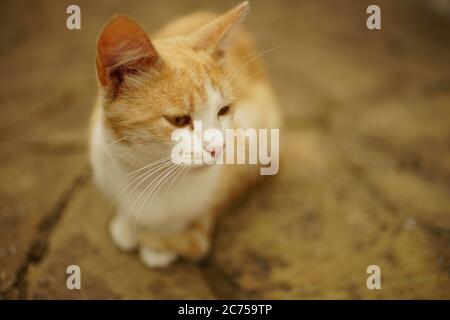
[364, 177]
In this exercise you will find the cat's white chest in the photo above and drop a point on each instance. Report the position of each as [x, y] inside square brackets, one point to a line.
[173, 205]
[155, 202]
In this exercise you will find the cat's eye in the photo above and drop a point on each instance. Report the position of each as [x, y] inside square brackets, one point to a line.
[179, 121]
[223, 111]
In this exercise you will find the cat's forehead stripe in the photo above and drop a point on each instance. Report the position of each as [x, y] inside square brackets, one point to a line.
[206, 97]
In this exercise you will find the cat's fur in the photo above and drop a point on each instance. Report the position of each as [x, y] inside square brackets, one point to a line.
[185, 70]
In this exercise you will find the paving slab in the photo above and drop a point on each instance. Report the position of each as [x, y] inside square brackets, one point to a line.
[107, 273]
[313, 232]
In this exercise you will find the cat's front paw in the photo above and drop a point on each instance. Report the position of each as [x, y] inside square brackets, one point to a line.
[155, 258]
[123, 233]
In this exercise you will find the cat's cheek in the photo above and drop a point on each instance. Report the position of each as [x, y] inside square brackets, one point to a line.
[159, 132]
[225, 122]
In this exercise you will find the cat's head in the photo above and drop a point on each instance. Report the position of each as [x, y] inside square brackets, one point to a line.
[149, 89]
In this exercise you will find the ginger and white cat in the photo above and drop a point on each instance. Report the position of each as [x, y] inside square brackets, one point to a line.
[202, 67]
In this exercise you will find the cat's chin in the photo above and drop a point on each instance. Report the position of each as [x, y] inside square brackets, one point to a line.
[201, 166]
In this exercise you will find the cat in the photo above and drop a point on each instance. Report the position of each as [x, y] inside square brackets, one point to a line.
[201, 67]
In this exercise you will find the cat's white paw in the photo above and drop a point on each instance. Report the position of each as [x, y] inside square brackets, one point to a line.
[156, 259]
[123, 233]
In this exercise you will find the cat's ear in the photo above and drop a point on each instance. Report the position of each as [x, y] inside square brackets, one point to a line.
[123, 48]
[214, 36]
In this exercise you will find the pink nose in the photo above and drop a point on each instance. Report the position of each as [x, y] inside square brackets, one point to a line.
[213, 151]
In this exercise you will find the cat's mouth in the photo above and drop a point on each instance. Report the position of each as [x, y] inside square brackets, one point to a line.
[200, 166]
[194, 161]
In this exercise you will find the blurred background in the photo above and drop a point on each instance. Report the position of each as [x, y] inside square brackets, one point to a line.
[364, 179]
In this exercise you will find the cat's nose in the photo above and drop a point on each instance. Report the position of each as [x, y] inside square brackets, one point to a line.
[214, 151]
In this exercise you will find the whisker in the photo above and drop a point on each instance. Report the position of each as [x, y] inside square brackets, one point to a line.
[114, 142]
[118, 195]
[182, 168]
[129, 185]
[161, 183]
[245, 80]
[116, 198]
[239, 68]
[149, 173]
[163, 167]
[184, 176]
[148, 165]
[156, 182]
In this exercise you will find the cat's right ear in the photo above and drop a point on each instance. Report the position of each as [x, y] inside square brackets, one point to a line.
[123, 48]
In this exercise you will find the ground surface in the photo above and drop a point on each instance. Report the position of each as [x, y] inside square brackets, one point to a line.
[364, 179]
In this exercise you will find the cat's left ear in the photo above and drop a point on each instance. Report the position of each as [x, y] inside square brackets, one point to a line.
[124, 49]
[214, 36]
